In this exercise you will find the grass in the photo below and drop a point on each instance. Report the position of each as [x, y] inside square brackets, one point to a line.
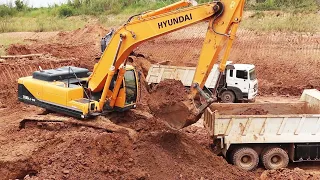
[41, 24]
[298, 15]
[258, 20]
[283, 22]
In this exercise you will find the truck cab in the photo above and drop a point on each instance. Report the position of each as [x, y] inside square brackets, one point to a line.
[239, 83]
[236, 84]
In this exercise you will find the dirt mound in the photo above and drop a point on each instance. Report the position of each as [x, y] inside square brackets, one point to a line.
[254, 111]
[60, 151]
[81, 52]
[169, 154]
[82, 45]
[284, 174]
[199, 135]
[88, 34]
[169, 101]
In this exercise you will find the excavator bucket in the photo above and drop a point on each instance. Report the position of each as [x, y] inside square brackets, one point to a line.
[171, 103]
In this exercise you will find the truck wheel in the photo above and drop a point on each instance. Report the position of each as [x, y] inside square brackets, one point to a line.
[228, 97]
[275, 158]
[245, 158]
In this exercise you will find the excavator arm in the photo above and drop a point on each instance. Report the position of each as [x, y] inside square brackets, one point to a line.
[223, 17]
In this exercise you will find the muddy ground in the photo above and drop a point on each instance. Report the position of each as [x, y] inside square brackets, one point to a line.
[286, 64]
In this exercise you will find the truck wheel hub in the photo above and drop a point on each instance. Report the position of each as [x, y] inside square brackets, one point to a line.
[246, 159]
[275, 159]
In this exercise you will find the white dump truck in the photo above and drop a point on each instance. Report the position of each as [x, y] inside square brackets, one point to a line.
[273, 134]
[238, 83]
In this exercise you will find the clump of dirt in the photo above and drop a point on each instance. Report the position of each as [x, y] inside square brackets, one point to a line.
[284, 174]
[254, 111]
[169, 101]
[199, 135]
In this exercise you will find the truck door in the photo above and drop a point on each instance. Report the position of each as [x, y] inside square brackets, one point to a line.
[239, 79]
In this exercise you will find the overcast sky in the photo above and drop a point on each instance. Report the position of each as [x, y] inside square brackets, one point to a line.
[37, 3]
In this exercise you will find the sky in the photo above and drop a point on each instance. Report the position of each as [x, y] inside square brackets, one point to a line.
[37, 3]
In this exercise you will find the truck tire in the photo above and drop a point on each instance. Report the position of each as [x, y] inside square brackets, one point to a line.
[275, 158]
[245, 158]
[228, 97]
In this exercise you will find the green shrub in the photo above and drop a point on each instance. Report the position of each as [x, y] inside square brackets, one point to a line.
[6, 11]
[65, 11]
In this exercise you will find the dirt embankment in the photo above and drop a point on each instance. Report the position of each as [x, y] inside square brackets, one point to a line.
[62, 151]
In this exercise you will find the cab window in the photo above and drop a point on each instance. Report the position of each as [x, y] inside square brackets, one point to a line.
[131, 87]
[231, 73]
[242, 74]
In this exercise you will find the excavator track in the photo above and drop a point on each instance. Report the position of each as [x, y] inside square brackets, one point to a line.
[100, 122]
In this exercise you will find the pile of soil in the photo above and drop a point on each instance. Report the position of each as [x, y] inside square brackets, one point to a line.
[60, 151]
[254, 111]
[169, 101]
[284, 174]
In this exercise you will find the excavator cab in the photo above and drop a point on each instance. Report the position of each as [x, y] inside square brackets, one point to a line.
[128, 92]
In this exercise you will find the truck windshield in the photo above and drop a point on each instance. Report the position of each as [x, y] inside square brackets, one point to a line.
[252, 74]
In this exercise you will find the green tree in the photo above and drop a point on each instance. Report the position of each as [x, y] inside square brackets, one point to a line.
[19, 5]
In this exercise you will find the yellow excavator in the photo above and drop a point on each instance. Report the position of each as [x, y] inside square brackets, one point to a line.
[113, 85]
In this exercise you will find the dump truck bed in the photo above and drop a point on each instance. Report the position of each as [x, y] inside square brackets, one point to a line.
[158, 73]
[279, 122]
